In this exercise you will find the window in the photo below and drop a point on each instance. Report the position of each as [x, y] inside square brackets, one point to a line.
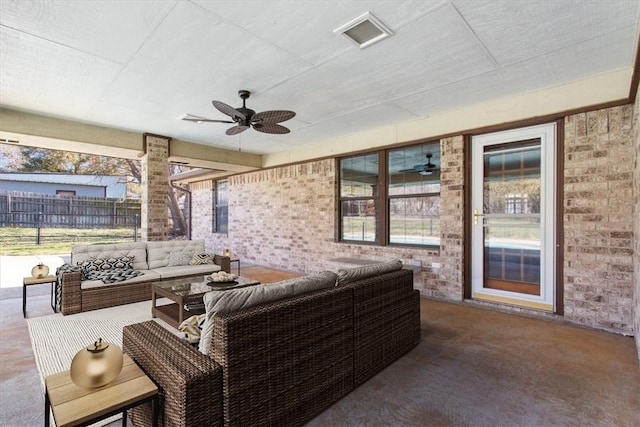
[516, 203]
[221, 206]
[65, 192]
[414, 195]
[359, 198]
[391, 197]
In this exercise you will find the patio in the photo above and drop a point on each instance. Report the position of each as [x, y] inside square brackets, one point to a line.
[473, 367]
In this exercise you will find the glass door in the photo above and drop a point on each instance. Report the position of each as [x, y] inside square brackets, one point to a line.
[513, 217]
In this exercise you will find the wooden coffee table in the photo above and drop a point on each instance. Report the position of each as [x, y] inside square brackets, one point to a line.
[73, 405]
[186, 294]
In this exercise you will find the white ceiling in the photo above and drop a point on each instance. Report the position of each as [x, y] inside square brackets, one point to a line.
[139, 65]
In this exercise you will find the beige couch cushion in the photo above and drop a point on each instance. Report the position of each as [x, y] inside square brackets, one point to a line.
[158, 252]
[138, 250]
[186, 270]
[223, 302]
[358, 273]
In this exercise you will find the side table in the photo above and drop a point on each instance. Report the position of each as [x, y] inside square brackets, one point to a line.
[235, 259]
[28, 281]
[73, 405]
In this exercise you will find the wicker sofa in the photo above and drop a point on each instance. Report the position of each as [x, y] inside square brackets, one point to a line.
[283, 362]
[152, 259]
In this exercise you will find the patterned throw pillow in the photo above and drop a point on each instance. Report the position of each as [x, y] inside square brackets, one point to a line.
[201, 258]
[180, 257]
[192, 328]
[113, 276]
[103, 264]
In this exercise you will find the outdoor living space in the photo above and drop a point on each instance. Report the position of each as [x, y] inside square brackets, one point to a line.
[488, 151]
[473, 367]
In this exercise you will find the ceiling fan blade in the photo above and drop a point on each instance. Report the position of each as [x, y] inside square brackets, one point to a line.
[197, 119]
[228, 110]
[270, 128]
[236, 130]
[275, 116]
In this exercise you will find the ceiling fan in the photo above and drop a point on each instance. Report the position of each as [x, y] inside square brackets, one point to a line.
[426, 169]
[244, 118]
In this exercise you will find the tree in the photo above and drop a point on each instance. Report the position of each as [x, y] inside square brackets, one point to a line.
[44, 160]
[10, 157]
[180, 226]
[31, 159]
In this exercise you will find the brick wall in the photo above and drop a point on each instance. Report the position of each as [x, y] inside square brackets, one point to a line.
[598, 219]
[201, 209]
[636, 118]
[285, 218]
[446, 282]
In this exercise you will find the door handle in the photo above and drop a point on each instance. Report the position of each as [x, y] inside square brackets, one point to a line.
[475, 216]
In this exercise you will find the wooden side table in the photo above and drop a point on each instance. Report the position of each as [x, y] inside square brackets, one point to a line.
[28, 281]
[73, 405]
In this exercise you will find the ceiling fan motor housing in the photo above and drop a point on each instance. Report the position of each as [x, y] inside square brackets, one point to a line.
[248, 112]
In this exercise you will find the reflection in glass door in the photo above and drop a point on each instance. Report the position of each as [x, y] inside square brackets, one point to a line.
[513, 207]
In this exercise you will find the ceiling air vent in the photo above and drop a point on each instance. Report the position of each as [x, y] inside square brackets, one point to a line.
[365, 30]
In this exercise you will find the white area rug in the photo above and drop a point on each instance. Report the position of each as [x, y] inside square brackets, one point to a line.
[56, 339]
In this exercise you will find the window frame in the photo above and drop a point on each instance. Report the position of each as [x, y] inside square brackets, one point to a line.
[378, 200]
[217, 205]
[383, 199]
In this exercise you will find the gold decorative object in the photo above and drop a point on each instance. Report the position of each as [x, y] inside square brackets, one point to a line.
[97, 365]
[40, 271]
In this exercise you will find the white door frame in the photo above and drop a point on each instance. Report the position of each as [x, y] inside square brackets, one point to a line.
[546, 300]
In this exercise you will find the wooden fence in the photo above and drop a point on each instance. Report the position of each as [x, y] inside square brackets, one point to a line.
[18, 209]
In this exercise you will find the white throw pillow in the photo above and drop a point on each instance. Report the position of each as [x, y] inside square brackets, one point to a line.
[180, 258]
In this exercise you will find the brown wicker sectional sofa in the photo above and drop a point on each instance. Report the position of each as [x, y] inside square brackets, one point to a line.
[283, 362]
[152, 259]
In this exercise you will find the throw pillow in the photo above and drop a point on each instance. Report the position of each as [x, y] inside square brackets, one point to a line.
[192, 328]
[112, 276]
[366, 271]
[202, 258]
[180, 257]
[101, 264]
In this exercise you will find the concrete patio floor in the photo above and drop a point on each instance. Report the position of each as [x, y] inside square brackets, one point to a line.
[473, 367]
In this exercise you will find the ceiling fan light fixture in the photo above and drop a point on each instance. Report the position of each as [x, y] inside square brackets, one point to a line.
[425, 173]
[364, 30]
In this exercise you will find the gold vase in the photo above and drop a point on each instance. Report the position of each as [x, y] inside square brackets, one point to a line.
[97, 365]
[40, 271]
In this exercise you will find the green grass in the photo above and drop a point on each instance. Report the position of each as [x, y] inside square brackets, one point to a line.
[23, 241]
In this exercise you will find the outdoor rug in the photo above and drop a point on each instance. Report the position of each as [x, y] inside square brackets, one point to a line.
[56, 339]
